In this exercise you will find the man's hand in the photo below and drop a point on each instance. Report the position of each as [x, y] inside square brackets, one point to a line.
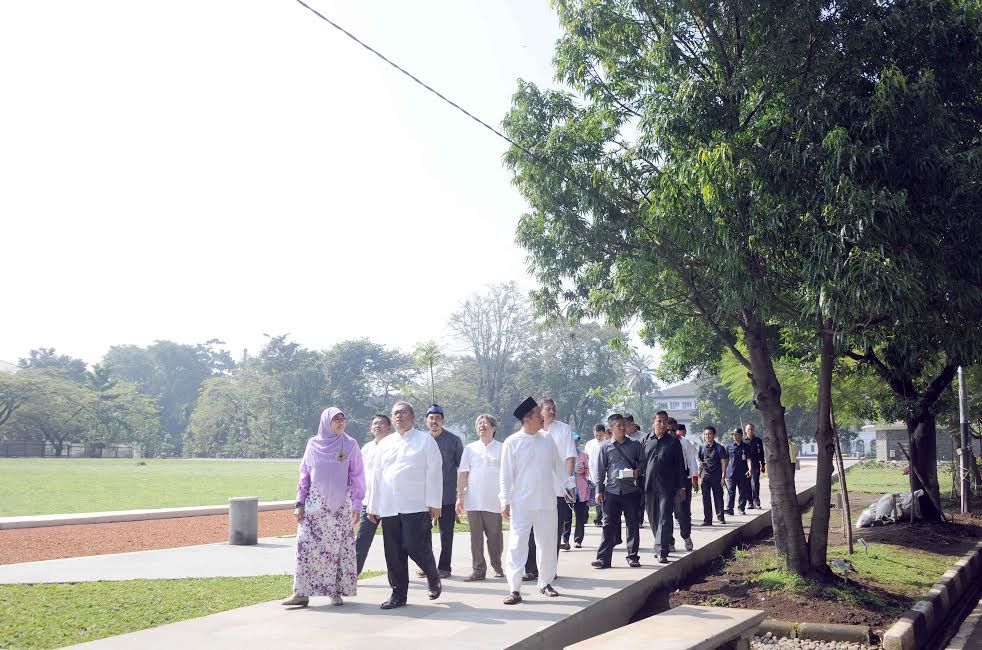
[600, 498]
[460, 505]
[748, 473]
[355, 516]
[506, 512]
[372, 518]
[298, 513]
[435, 513]
[695, 483]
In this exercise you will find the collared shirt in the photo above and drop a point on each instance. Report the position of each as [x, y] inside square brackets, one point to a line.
[561, 435]
[592, 450]
[637, 436]
[369, 452]
[690, 453]
[757, 459]
[531, 472]
[451, 449]
[614, 457]
[712, 460]
[664, 468]
[482, 462]
[739, 458]
[408, 476]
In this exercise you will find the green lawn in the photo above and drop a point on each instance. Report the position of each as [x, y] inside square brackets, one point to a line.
[880, 478]
[56, 615]
[39, 486]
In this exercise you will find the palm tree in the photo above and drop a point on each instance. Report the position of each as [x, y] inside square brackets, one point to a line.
[640, 377]
[428, 354]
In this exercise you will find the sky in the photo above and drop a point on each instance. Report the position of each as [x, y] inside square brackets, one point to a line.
[228, 169]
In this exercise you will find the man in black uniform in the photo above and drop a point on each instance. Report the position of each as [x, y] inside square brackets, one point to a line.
[451, 450]
[617, 490]
[738, 472]
[664, 480]
[758, 463]
[712, 465]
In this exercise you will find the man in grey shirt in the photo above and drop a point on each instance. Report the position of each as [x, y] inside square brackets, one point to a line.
[618, 491]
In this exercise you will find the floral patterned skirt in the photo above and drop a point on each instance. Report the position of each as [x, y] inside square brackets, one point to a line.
[326, 564]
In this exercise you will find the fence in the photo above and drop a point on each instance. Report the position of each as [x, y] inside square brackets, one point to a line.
[36, 449]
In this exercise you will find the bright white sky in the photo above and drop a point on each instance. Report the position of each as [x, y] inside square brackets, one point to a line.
[224, 168]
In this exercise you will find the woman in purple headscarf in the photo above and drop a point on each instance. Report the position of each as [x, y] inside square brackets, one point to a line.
[329, 495]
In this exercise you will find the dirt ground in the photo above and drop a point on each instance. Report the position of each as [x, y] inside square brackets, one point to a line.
[54, 542]
[725, 583]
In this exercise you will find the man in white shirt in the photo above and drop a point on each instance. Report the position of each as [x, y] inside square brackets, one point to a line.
[478, 483]
[592, 450]
[406, 494]
[381, 427]
[532, 470]
[683, 506]
[561, 435]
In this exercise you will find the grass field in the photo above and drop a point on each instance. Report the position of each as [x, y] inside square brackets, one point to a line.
[880, 478]
[56, 615]
[40, 486]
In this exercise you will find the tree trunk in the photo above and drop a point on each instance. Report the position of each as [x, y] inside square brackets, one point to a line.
[922, 429]
[789, 534]
[818, 536]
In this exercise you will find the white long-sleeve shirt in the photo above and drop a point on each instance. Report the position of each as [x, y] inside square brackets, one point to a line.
[531, 472]
[592, 450]
[408, 475]
[561, 435]
[691, 455]
[483, 466]
[369, 454]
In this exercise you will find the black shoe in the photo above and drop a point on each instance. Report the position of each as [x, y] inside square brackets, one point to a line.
[707, 523]
[549, 591]
[599, 564]
[742, 511]
[513, 598]
[663, 559]
[634, 563]
[392, 603]
[444, 573]
[757, 505]
[565, 546]
[435, 591]
[728, 511]
[578, 545]
[530, 577]
[722, 520]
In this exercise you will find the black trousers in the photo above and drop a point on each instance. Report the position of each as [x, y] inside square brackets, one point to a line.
[598, 511]
[660, 504]
[712, 492]
[363, 542]
[614, 506]
[448, 517]
[738, 481]
[755, 484]
[683, 513]
[404, 537]
[581, 512]
[561, 521]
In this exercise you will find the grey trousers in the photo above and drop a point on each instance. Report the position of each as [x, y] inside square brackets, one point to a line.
[485, 524]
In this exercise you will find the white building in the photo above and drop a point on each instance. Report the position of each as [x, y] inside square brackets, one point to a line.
[680, 403]
[6, 366]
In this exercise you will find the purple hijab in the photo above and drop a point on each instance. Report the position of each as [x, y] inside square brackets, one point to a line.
[332, 464]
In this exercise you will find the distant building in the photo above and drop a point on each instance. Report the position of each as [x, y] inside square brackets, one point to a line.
[889, 434]
[6, 366]
[680, 403]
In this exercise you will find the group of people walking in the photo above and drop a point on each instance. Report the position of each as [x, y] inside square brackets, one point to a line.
[537, 478]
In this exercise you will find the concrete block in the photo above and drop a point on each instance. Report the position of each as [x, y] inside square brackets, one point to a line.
[906, 633]
[834, 632]
[243, 521]
[932, 615]
[777, 628]
[955, 582]
[939, 594]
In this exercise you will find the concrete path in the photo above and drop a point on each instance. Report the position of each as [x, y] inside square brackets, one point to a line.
[468, 615]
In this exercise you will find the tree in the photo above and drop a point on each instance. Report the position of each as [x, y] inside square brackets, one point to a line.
[46, 359]
[428, 355]
[641, 378]
[496, 326]
[56, 409]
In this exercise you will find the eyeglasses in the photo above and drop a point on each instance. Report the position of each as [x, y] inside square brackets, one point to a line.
[400, 412]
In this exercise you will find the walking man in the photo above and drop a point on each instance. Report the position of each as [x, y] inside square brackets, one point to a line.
[758, 463]
[619, 492]
[664, 480]
[407, 495]
[531, 468]
[381, 427]
[592, 449]
[451, 450]
[712, 466]
[738, 472]
[477, 495]
[683, 506]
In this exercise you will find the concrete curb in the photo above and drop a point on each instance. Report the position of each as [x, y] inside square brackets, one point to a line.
[927, 616]
[40, 521]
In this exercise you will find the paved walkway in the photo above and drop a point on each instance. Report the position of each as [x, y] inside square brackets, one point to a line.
[468, 615]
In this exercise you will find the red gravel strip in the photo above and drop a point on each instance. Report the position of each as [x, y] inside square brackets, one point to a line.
[54, 542]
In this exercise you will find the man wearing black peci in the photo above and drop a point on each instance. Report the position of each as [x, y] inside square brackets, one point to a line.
[664, 479]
